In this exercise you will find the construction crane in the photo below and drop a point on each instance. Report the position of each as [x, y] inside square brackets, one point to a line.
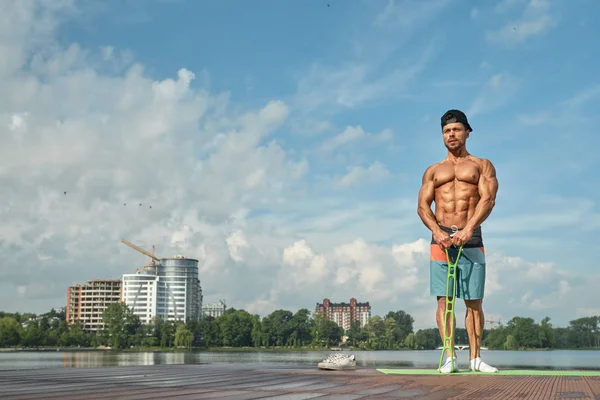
[492, 323]
[154, 260]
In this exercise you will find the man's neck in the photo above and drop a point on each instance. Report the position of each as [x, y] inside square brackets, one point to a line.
[457, 154]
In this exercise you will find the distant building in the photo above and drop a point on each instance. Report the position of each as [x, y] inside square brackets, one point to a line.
[86, 303]
[140, 293]
[214, 310]
[170, 291]
[344, 314]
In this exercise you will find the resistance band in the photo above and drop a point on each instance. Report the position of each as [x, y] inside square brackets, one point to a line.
[449, 339]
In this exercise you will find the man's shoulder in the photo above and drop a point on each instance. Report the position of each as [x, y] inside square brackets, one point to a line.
[435, 165]
[480, 160]
[485, 166]
[432, 167]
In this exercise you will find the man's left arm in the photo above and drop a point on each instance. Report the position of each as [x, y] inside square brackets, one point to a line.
[488, 188]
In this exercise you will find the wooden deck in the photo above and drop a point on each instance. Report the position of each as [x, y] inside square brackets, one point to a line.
[243, 381]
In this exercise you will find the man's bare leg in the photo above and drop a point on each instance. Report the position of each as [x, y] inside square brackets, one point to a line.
[439, 317]
[474, 322]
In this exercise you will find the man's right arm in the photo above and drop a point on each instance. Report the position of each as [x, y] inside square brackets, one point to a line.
[426, 197]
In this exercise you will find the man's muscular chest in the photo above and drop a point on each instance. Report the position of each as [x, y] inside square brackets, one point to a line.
[466, 171]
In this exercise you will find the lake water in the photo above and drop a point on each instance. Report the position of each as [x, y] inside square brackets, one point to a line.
[554, 359]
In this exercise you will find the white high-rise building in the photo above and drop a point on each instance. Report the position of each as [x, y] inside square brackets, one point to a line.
[171, 291]
[179, 292]
[140, 292]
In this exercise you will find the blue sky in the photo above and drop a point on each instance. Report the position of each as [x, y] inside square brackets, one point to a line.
[284, 144]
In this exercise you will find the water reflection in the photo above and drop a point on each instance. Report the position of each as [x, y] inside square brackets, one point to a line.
[556, 359]
[88, 359]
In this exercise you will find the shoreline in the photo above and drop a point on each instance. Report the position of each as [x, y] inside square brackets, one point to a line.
[234, 349]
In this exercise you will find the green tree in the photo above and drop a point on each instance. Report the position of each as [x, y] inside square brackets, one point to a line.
[196, 329]
[299, 328]
[75, 336]
[211, 335]
[376, 333]
[256, 333]
[425, 339]
[10, 332]
[585, 332]
[183, 336]
[404, 324]
[166, 332]
[324, 331]
[277, 327]
[525, 332]
[496, 339]
[410, 341]
[561, 337]
[511, 343]
[32, 335]
[391, 333]
[546, 334]
[236, 328]
[120, 324]
[355, 333]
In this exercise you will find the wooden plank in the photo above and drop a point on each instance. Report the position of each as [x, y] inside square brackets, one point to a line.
[243, 381]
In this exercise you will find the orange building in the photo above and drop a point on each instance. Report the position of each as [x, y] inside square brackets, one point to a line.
[344, 314]
[86, 303]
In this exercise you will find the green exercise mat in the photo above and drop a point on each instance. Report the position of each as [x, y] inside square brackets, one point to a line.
[506, 372]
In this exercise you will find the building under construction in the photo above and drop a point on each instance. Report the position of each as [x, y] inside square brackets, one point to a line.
[86, 303]
[167, 288]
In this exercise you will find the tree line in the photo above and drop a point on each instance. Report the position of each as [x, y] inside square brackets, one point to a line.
[281, 328]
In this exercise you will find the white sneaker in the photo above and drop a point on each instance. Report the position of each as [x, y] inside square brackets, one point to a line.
[338, 362]
[335, 356]
[447, 367]
[480, 366]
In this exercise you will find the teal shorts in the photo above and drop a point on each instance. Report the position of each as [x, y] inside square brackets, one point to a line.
[470, 273]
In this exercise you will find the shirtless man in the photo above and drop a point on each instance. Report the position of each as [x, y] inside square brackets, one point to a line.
[464, 189]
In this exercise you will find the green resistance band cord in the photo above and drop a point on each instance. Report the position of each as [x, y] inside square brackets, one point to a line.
[448, 339]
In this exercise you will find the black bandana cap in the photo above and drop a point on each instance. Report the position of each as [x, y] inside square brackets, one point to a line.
[452, 116]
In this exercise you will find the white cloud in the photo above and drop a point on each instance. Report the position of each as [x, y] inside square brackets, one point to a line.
[409, 14]
[535, 20]
[236, 242]
[397, 277]
[358, 269]
[306, 268]
[518, 287]
[584, 96]
[125, 151]
[373, 173]
[505, 5]
[353, 84]
[497, 91]
[310, 127]
[354, 134]
[573, 110]
[540, 215]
